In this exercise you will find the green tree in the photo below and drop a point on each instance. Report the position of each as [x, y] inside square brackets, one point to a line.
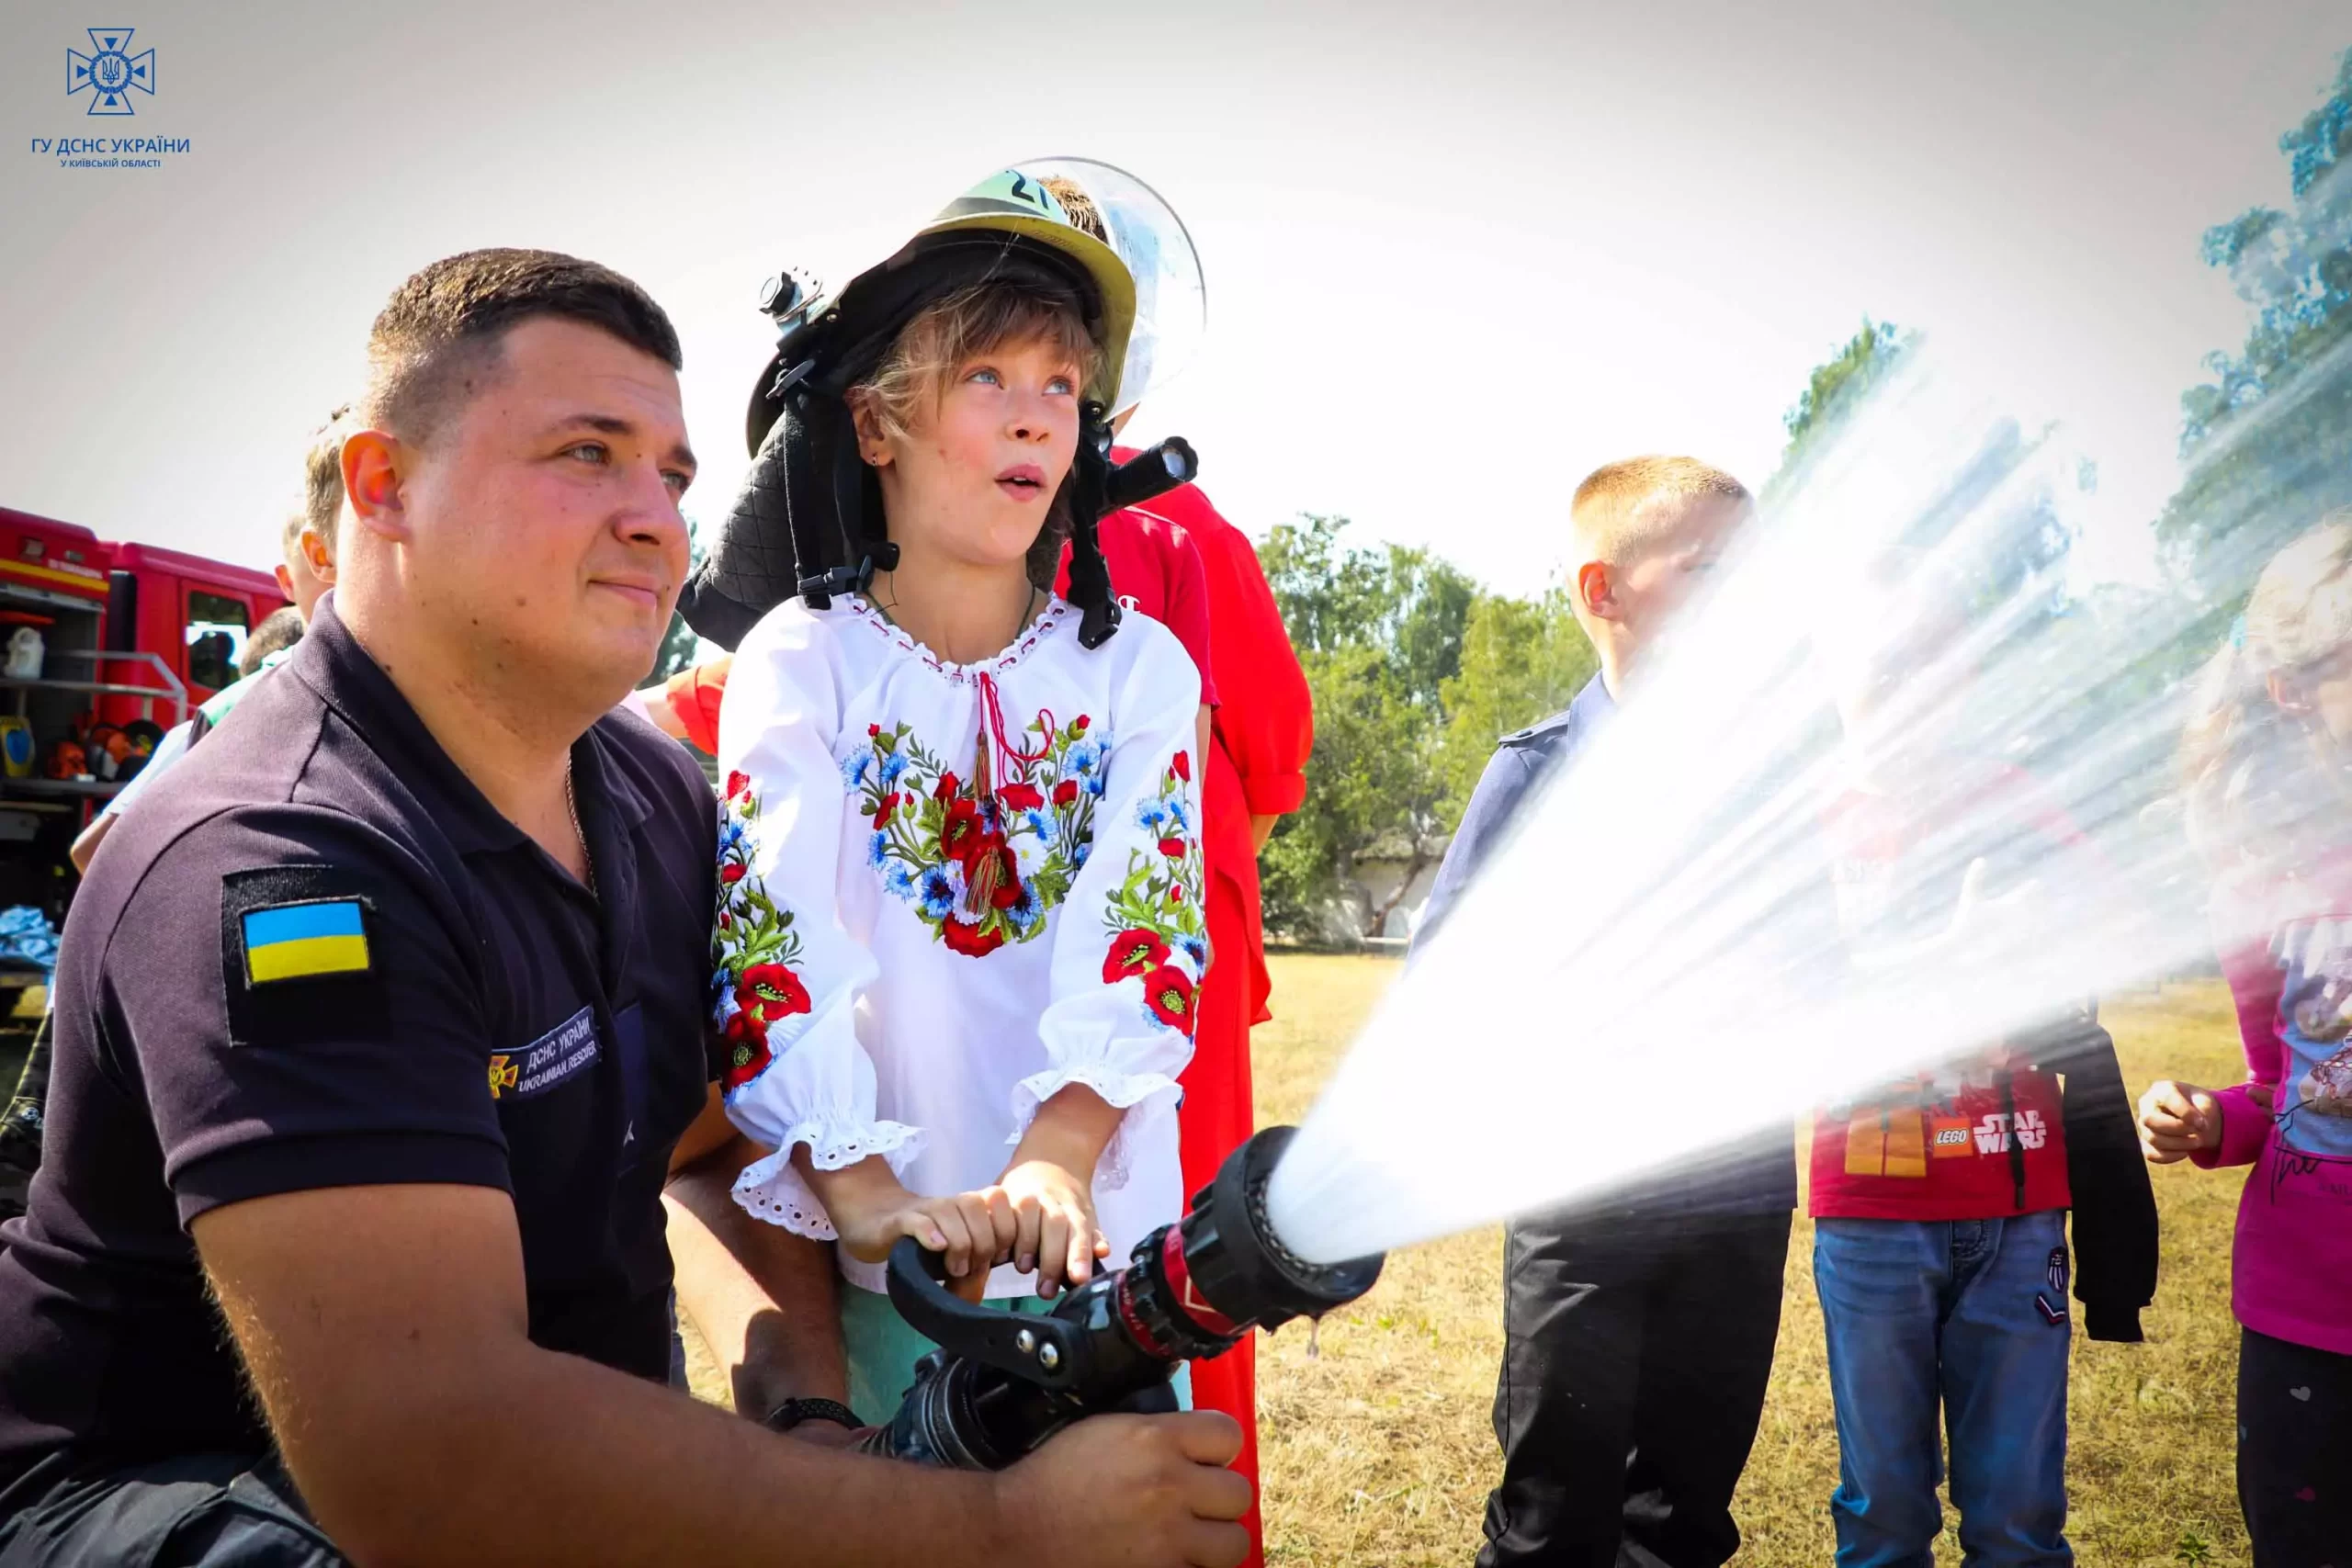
[1522, 659]
[1834, 390]
[1415, 674]
[1373, 775]
[678, 643]
[1408, 602]
[1379, 632]
[2265, 440]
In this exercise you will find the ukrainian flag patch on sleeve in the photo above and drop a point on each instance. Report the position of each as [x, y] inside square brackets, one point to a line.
[303, 952]
[305, 942]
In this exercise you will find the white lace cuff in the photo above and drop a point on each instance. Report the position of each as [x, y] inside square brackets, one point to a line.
[772, 1188]
[1143, 1096]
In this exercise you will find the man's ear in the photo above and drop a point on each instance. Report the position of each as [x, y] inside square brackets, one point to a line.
[371, 482]
[1597, 590]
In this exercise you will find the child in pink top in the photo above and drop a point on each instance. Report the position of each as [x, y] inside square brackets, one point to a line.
[2271, 807]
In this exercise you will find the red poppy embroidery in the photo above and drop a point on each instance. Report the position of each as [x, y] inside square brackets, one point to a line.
[747, 1050]
[1133, 952]
[960, 834]
[1183, 767]
[971, 941]
[948, 784]
[1173, 848]
[883, 812]
[1020, 797]
[770, 992]
[733, 872]
[1080, 723]
[737, 783]
[1065, 791]
[1168, 990]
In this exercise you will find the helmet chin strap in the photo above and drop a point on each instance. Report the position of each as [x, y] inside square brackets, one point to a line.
[861, 557]
[1090, 576]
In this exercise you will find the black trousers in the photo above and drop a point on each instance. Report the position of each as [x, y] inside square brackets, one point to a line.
[2294, 1452]
[1635, 1359]
[198, 1511]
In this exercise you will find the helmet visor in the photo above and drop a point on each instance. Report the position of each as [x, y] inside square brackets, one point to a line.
[1171, 302]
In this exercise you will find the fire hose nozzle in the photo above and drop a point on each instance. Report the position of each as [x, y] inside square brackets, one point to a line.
[1003, 1382]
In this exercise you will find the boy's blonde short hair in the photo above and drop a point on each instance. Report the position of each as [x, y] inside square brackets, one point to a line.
[1624, 509]
[322, 486]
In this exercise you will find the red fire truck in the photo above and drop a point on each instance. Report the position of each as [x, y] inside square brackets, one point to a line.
[127, 639]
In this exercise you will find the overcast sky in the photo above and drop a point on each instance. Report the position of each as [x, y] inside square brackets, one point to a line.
[1457, 253]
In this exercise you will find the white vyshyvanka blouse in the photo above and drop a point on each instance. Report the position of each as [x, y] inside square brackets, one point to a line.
[949, 891]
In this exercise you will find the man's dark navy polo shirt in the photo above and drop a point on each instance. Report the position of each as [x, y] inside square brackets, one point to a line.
[222, 1036]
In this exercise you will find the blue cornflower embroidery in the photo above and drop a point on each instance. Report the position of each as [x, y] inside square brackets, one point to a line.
[939, 892]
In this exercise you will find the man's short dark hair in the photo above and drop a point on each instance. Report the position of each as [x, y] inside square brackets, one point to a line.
[281, 628]
[436, 343]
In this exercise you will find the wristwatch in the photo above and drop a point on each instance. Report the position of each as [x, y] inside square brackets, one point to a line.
[793, 1412]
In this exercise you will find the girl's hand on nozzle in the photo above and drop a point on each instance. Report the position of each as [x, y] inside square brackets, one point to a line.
[2178, 1120]
[871, 1209]
[1054, 1214]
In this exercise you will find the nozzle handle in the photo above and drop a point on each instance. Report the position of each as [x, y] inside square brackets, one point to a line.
[1152, 472]
[1043, 1350]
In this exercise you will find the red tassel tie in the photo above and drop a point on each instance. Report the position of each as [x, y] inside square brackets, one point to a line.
[988, 869]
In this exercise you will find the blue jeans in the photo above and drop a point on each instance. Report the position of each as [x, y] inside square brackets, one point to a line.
[1968, 1317]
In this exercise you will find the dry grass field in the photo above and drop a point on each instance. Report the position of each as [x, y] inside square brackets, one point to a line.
[1376, 1446]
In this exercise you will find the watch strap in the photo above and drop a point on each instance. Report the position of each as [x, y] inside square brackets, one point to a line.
[793, 1412]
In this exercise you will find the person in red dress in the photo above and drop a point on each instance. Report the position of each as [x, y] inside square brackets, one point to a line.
[1261, 730]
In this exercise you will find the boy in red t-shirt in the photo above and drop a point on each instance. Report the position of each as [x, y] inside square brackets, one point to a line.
[1940, 1199]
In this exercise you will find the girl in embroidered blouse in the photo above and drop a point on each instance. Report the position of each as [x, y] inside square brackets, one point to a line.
[960, 926]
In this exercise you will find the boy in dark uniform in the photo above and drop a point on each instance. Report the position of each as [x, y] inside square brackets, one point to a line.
[379, 1043]
[1638, 1339]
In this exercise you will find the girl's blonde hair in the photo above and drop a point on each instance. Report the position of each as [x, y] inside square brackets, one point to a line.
[2251, 778]
[904, 388]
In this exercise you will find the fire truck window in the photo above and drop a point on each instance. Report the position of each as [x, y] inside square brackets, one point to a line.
[216, 635]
